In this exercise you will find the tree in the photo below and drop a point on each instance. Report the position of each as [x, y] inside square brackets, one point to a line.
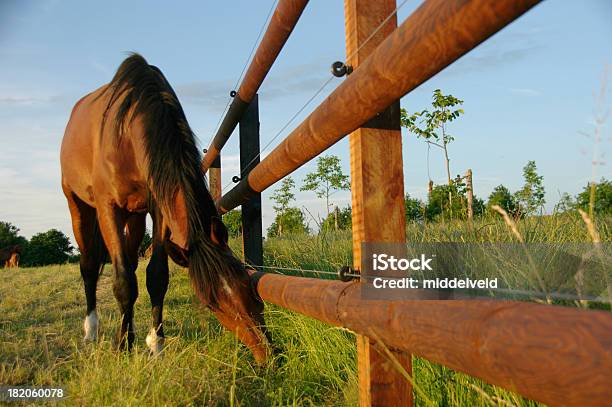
[502, 197]
[441, 205]
[9, 235]
[344, 220]
[598, 196]
[431, 125]
[293, 222]
[145, 243]
[566, 203]
[415, 209]
[50, 247]
[327, 180]
[282, 197]
[531, 196]
[478, 206]
[233, 222]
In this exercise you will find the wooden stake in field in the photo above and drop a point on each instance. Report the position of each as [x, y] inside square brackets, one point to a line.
[377, 185]
[470, 194]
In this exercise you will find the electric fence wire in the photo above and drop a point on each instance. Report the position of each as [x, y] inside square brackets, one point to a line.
[246, 63]
[318, 91]
[324, 272]
[501, 290]
[296, 114]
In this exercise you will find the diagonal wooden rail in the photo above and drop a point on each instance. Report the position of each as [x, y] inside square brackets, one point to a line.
[434, 36]
[556, 355]
[282, 23]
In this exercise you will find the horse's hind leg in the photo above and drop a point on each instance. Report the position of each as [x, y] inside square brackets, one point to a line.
[93, 254]
[113, 222]
[157, 285]
[134, 232]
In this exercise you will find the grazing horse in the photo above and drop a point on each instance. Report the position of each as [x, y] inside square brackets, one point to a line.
[14, 260]
[128, 151]
[9, 256]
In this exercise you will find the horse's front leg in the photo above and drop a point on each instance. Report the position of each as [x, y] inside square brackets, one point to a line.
[112, 222]
[157, 286]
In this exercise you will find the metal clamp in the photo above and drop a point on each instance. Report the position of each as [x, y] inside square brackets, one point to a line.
[339, 69]
[347, 273]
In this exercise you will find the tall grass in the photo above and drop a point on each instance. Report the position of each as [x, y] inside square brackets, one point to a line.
[40, 344]
[41, 311]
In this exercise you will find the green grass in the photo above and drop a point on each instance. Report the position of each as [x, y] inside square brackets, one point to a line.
[42, 310]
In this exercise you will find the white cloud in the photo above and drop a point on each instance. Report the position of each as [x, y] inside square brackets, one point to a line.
[525, 91]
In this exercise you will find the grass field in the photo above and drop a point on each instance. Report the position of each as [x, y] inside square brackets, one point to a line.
[42, 310]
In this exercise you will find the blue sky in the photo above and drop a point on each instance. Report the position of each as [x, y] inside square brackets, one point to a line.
[528, 91]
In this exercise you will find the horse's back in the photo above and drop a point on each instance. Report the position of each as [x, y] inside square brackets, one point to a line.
[80, 144]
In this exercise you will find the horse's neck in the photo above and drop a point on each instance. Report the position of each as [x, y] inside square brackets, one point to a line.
[177, 219]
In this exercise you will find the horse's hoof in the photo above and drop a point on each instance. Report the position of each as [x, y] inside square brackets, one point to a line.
[155, 342]
[90, 326]
[125, 342]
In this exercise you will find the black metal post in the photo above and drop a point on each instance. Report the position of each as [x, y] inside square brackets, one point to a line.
[252, 242]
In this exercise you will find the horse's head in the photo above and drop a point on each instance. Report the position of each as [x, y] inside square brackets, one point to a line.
[219, 278]
[240, 309]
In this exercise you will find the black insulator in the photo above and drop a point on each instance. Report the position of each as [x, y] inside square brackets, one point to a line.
[339, 69]
[346, 273]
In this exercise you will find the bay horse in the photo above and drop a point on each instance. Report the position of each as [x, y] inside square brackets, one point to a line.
[14, 260]
[9, 256]
[128, 151]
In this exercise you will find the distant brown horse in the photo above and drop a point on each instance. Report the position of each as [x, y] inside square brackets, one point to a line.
[128, 151]
[9, 256]
[14, 260]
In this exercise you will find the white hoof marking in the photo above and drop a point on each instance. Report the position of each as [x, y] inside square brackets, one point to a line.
[155, 342]
[90, 326]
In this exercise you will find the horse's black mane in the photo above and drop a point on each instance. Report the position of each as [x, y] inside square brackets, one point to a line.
[174, 161]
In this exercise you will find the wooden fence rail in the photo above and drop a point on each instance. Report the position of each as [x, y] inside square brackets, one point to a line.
[435, 35]
[282, 23]
[556, 355]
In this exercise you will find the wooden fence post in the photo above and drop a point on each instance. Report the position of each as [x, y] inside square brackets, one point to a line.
[470, 195]
[214, 179]
[377, 185]
[252, 246]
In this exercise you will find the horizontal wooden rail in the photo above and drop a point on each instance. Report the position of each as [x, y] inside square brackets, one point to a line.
[435, 35]
[556, 355]
[284, 19]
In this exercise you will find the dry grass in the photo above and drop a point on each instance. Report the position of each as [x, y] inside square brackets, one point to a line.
[41, 312]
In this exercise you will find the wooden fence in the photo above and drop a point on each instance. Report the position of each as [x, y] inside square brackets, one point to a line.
[557, 355]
